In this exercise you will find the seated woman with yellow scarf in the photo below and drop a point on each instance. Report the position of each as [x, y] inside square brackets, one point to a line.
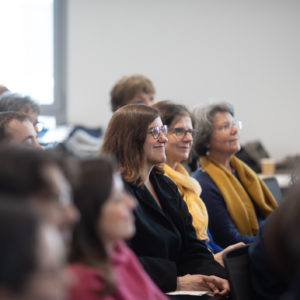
[180, 140]
[237, 200]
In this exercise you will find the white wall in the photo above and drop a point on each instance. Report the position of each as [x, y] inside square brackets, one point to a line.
[194, 51]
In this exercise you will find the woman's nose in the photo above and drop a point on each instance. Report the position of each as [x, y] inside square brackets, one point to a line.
[188, 137]
[234, 130]
[163, 138]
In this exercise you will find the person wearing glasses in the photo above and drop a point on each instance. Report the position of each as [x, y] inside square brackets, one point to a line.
[181, 133]
[237, 200]
[165, 240]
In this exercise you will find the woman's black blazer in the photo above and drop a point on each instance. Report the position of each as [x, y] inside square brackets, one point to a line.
[165, 240]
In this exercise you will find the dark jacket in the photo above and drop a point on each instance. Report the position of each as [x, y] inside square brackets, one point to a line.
[165, 239]
[267, 282]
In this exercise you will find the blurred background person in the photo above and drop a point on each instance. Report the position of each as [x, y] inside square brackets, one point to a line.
[17, 128]
[103, 266]
[32, 257]
[180, 140]
[3, 89]
[237, 200]
[134, 89]
[41, 177]
[84, 141]
[22, 104]
[275, 254]
[165, 239]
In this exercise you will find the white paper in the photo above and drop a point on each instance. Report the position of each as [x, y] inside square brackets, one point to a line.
[192, 293]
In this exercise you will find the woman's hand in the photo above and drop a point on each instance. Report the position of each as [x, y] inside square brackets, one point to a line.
[218, 256]
[218, 286]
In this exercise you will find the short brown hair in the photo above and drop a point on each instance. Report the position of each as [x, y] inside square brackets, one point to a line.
[125, 137]
[127, 87]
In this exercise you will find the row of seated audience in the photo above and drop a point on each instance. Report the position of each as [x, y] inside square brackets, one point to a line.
[165, 239]
[181, 133]
[176, 227]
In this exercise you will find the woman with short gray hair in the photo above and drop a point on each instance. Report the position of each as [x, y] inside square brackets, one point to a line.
[237, 200]
[205, 124]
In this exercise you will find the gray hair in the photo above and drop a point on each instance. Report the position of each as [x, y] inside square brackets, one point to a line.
[5, 118]
[204, 118]
[17, 102]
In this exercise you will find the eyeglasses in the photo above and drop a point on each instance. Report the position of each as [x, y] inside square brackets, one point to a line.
[228, 126]
[181, 132]
[40, 126]
[155, 131]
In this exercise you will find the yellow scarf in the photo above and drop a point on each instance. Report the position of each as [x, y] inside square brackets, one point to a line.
[190, 190]
[236, 195]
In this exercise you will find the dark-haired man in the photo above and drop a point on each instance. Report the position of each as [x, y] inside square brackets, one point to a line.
[22, 104]
[17, 128]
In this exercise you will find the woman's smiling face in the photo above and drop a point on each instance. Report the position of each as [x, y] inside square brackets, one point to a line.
[154, 149]
[178, 147]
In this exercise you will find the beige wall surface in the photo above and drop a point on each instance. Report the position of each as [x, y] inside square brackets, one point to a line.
[246, 52]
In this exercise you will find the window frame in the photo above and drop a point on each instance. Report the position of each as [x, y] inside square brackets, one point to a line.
[58, 107]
